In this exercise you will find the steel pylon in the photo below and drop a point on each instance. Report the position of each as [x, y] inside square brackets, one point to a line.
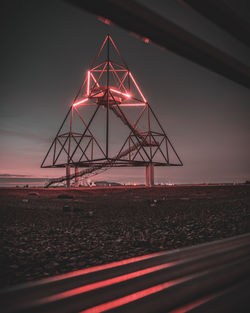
[109, 124]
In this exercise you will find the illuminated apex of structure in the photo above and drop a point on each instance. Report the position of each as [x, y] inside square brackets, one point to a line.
[109, 124]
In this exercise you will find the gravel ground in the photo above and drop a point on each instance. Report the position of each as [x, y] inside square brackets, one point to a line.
[43, 232]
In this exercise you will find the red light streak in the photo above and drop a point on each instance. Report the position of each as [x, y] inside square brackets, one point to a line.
[88, 81]
[106, 282]
[146, 40]
[104, 20]
[133, 297]
[121, 93]
[192, 305]
[116, 70]
[80, 102]
[137, 87]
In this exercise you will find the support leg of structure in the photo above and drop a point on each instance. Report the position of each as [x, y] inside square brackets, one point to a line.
[76, 177]
[150, 175]
[68, 174]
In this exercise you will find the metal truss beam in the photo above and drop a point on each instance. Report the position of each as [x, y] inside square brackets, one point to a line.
[102, 92]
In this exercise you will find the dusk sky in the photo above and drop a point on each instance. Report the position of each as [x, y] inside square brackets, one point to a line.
[46, 48]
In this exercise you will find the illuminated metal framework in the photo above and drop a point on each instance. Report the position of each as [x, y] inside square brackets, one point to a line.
[110, 91]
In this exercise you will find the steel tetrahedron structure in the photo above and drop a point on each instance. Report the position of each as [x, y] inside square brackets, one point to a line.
[109, 124]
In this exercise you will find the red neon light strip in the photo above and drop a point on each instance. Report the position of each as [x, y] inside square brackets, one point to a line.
[81, 101]
[88, 82]
[132, 104]
[106, 282]
[133, 297]
[137, 87]
[110, 70]
[121, 93]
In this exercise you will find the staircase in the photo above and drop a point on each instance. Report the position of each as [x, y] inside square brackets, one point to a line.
[97, 169]
[125, 121]
[94, 170]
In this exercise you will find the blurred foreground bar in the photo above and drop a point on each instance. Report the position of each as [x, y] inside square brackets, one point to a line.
[211, 277]
[223, 16]
[151, 26]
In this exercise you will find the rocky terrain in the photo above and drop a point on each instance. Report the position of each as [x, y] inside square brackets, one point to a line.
[45, 232]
